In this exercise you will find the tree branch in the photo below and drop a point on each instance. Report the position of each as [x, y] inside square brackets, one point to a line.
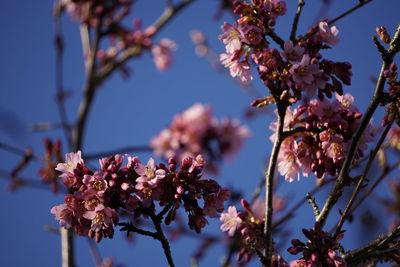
[378, 93]
[300, 5]
[59, 43]
[269, 183]
[365, 253]
[344, 14]
[161, 237]
[169, 13]
[361, 180]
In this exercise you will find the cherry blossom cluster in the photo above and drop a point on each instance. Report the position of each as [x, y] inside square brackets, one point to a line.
[320, 249]
[110, 14]
[195, 131]
[249, 224]
[326, 132]
[90, 11]
[98, 197]
[298, 67]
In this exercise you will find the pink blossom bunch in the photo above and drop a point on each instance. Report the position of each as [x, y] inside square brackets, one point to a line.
[195, 131]
[249, 225]
[321, 147]
[320, 249]
[121, 38]
[98, 198]
[297, 68]
[90, 11]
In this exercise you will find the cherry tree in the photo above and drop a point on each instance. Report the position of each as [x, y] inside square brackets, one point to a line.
[170, 186]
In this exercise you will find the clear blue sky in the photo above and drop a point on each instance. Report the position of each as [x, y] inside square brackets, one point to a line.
[130, 112]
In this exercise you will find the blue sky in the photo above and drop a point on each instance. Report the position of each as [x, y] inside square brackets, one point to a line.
[130, 112]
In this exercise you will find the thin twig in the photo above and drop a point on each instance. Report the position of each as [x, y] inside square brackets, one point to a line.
[259, 254]
[291, 132]
[20, 152]
[22, 182]
[384, 174]
[88, 92]
[357, 256]
[378, 93]
[300, 5]
[257, 190]
[129, 227]
[271, 33]
[269, 183]
[300, 203]
[344, 14]
[161, 237]
[361, 180]
[59, 43]
[313, 204]
[169, 13]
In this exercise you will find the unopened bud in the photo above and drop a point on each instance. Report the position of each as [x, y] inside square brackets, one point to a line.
[383, 35]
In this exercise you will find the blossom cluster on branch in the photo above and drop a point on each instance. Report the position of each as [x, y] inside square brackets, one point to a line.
[109, 17]
[247, 226]
[92, 208]
[321, 249]
[299, 66]
[321, 146]
[195, 131]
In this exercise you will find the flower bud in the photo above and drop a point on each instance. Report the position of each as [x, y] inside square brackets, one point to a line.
[383, 35]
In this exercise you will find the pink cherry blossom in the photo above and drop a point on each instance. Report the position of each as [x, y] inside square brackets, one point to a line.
[328, 35]
[230, 220]
[292, 53]
[231, 37]
[72, 160]
[241, 69]
[303, 72]
[149, 174]
[162, 54]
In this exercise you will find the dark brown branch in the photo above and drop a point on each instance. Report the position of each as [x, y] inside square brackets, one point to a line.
[361, 180]
[377, 97]
[354, 257]
[291, 132]
[161, 237]
[271, 33]
[300, 5]
[269, 183]
[129, 227]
